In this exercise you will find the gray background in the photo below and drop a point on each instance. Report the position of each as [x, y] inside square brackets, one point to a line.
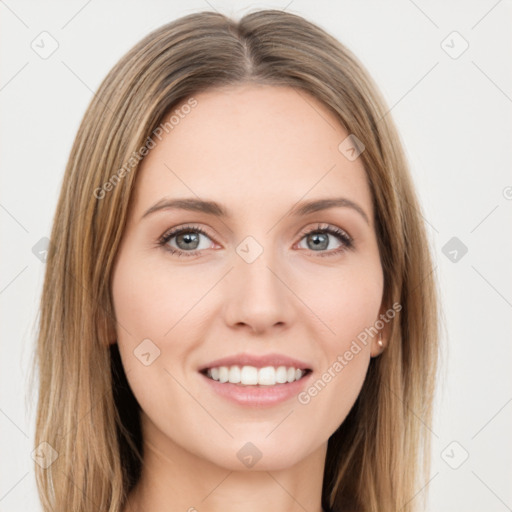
[453, 112]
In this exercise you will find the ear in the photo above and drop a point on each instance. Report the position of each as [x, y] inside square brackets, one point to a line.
[111, 333]
[106, 327]
[383, 324]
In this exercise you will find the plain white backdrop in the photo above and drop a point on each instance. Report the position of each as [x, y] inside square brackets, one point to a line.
[444, 69]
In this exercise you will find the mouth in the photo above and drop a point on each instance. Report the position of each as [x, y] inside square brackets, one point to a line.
[256, 377]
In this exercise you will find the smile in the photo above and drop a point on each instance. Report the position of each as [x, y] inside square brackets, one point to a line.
[252, 376]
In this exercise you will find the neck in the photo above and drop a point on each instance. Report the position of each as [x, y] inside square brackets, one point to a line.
[174, 479]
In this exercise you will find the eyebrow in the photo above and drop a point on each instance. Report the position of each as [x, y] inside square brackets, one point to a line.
[213, 208]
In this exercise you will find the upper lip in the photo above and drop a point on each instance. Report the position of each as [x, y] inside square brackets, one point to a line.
[259, 361]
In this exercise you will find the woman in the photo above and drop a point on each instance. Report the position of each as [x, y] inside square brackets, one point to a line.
[239, 308]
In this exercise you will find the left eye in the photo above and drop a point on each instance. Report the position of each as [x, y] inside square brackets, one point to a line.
[319, 239]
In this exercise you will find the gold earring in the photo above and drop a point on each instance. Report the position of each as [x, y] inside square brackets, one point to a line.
[379, 342]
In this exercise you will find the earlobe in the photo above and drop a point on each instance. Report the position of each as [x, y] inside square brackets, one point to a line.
[377, 350]
[382, 324]
[111, 334]
[107, 330]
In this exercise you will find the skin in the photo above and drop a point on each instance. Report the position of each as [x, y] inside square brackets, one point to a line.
[257, 150]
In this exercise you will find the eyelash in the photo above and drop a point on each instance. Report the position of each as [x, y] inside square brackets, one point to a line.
[342, 236]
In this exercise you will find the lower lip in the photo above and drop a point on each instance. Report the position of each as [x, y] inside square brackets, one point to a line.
[258, 395]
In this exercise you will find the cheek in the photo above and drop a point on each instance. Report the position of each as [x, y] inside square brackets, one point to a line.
[346, 356]
[346, 300]
[348, 303]
[156, 303]
[148, 305]
[358, 305]
[150, 298]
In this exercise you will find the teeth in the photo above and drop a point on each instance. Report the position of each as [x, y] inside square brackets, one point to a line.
[248, 375]
[267, 376]
[223, 374]
[234, 375]
[252, 376]
[282, 375]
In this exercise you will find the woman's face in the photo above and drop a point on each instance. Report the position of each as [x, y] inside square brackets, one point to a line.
[261, 286]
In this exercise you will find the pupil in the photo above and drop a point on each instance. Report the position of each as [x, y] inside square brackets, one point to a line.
[188, 237]
[317, 240]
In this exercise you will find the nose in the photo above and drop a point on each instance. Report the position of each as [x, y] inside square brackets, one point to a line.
[257, 296]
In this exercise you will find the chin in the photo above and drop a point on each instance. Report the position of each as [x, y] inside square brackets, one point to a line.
[258, 453]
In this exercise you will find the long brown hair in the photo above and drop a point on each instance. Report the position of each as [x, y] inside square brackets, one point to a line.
[378, 458]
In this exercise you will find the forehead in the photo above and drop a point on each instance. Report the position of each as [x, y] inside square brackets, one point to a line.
[251, 143]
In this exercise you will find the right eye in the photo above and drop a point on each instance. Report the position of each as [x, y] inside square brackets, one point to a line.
[187, 240]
